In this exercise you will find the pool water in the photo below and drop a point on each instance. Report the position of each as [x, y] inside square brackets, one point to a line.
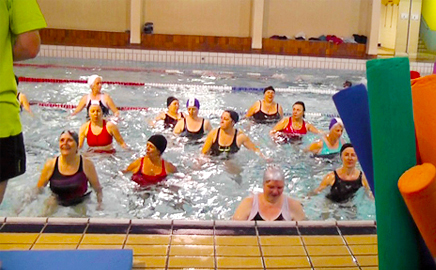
[203, 189]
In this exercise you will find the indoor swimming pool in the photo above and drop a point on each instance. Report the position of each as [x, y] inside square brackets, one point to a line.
[201, 190]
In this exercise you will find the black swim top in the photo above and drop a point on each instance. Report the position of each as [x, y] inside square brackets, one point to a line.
[69, 189]
[261, 117]
[342, 190]
[104, 107]
[216, 149]
[258, 217]
[193, 135]
[170, 122]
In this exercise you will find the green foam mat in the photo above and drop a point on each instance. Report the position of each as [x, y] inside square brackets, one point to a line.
[394, 151]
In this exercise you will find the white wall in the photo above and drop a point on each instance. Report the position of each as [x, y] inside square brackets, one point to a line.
[199, 17]
[316, 17]
[100, 15]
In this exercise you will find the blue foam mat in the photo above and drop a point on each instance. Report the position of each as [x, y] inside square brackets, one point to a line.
[353, 107]
[67, 259]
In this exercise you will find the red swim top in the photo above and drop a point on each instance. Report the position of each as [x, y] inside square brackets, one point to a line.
[102, 139]
[145, 180]
[290, 131]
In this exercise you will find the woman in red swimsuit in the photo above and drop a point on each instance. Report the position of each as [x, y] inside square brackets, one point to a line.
[99, 132]
[152, 168]
[293, 127]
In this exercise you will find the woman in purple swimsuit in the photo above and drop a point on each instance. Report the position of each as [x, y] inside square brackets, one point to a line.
[68, 175]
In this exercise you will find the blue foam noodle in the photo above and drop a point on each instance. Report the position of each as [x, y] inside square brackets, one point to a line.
[352, 105]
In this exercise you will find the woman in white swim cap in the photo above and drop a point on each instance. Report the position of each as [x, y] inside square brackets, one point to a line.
[96, 97]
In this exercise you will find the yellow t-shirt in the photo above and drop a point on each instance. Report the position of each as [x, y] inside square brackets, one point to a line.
[16, 17]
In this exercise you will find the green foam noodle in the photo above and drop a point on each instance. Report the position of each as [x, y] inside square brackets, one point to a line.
[394, 151]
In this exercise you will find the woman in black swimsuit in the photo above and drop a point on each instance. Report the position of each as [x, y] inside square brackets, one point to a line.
[266, 110]
[226, 139]
[192, 126]
[346, 180]
[172, 115]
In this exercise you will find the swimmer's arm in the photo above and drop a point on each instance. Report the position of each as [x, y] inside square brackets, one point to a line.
[91, 174]
[244, 209]
[280, 126]
[366, 185]
[280, 111]
[82, 133]
[328, 180]
[178, 128]
[46, 172]
[253, 109]
[134, 166]
[250, 145]
[314, 147]
[160, 116]
[81, 105]
[208, 142]
[207, 126]
[297, 209]
[25, 102]
[26, 45]
[111, 105]
[169, 167]
[312, 128]
[113, 130]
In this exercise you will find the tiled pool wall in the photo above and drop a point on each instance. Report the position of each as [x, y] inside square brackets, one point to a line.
[179, 244]
[214, 58]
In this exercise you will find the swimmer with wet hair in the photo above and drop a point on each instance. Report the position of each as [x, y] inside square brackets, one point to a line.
[266, 110]
[68, 175]
[172, 115]
[227, 139]
[331, 143]
[346, 180]
[272, 204]
[96, 97]
[347, 84]
[99, 133]
[294, 127]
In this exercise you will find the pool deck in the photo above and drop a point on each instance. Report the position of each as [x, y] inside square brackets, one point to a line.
[184, 244]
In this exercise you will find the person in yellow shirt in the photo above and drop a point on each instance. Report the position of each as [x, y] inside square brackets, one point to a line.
[19, 40]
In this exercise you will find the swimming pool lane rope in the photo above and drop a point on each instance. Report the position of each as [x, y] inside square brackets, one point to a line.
[155, 110]
[192, 86]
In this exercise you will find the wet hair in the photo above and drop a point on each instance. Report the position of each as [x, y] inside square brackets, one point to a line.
[159, 141]
[170, 100]
[345, 146]
[269, 88]
[234, 115]
[273, 172]
[347, 84]
[72, 134]
[302, 104]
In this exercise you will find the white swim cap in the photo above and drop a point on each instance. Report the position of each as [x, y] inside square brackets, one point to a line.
[273, 172]
[92, 78]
